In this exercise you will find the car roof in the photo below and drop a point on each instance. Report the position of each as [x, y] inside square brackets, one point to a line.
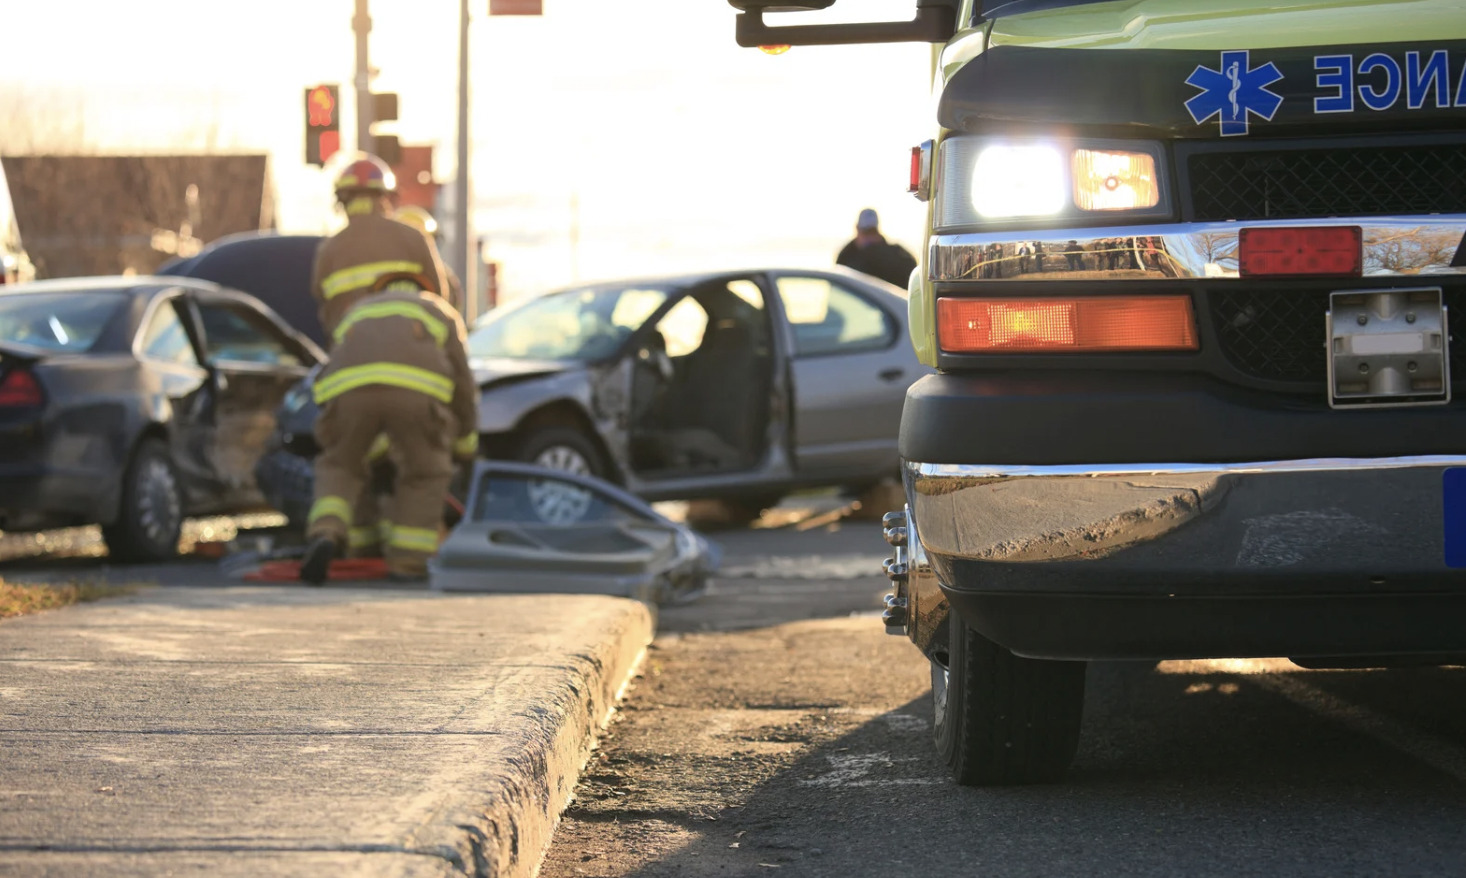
[274, 268]
[133, 285]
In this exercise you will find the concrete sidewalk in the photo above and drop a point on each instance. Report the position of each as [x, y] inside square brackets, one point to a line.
[294, 731]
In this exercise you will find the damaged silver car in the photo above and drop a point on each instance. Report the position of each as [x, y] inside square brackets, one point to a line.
[742, 385]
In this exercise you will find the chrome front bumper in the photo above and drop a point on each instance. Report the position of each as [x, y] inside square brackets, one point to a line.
[1393, 247]
[1309, 557]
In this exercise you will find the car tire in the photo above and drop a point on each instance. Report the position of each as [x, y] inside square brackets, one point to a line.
[1001, 719]
[150, 519]
[562, 448]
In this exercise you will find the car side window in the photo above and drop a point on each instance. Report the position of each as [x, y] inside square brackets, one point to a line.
[238, 333]
[827, 318]
[165, 339]
[683, 327]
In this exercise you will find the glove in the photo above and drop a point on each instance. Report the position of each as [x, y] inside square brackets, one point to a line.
[466, 448]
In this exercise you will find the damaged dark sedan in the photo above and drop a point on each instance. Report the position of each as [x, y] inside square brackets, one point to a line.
[739, 385]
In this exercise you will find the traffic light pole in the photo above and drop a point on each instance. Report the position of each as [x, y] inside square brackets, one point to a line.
[462, 235]
[361, 23]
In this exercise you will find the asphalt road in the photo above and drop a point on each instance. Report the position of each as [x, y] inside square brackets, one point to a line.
[776, 728]
[774, 732]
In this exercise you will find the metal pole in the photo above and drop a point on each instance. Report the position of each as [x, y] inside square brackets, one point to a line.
[462, 235]
[361, 23]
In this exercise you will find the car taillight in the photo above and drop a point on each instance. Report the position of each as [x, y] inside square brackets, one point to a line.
[19, 389]
[1062, 325]
[1326, 251]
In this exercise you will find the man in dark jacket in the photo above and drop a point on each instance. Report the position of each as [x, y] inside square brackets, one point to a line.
[871, 253]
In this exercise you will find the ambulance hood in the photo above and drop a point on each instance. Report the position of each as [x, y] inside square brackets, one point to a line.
[1181, 69]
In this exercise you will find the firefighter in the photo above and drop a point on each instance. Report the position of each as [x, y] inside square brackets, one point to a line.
[398, 367]
[372, 245]
[347, 265]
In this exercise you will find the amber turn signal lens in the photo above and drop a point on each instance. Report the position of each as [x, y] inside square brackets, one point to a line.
[773, 49]
[1072, 325]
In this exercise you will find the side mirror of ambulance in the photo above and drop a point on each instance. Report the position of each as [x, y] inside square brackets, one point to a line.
[935, 22]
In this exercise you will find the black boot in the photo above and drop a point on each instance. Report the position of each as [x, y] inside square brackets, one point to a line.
[316, 565]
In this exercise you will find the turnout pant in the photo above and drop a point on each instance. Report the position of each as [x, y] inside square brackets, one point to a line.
[420, 430]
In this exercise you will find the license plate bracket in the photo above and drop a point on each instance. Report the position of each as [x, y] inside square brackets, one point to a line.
[1388, 348]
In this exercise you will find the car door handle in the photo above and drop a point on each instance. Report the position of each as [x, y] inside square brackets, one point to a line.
[891, 374]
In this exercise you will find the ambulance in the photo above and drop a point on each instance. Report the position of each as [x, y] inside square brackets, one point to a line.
[1190, 283]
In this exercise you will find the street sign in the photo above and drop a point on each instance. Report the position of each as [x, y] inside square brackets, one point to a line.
[516, 7]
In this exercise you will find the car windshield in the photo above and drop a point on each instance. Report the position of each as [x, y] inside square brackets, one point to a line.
[68, 322]
[583, 324]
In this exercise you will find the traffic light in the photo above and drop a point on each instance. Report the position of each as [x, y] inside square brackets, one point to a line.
[385, 146]
[322, 123]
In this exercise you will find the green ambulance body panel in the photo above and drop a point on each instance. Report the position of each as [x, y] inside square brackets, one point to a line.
[1180, 25]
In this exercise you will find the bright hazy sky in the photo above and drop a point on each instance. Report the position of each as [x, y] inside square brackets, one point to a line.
[682, 150]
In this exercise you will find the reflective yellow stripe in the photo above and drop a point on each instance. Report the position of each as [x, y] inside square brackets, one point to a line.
[437, 386]
[359, 276]
[435, 327]
[466, 445]
[330, 507]
[415, 539]
[384, 530]
[380, 446]
[361, 537]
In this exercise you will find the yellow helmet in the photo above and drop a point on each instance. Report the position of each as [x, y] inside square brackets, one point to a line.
[418, 218]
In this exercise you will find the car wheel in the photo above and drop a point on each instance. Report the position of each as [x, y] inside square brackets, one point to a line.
[150, 520]
[1003, 719]
[562, 448]
[568, 450]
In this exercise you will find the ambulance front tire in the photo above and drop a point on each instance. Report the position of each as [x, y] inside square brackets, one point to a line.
[562, 448]
[1002, 719]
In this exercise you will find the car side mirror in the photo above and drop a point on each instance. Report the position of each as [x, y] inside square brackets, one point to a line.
[935, 22]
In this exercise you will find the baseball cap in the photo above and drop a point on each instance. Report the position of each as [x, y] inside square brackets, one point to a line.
[868, 220]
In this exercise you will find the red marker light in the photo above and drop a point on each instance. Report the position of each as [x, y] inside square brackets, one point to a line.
[19, 389]
[915, 184]
[1317, 251]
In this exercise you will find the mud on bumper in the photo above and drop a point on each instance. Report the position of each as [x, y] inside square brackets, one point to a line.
[1326, 557]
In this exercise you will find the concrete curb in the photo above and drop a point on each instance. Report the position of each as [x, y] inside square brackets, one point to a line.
[541, 755]
[290, 731]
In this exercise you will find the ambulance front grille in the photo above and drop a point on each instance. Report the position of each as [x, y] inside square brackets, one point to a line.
[1278, 335]
[1342, 181]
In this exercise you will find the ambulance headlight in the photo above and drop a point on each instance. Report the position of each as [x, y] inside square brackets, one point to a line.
[1018, 181]
[986, 181]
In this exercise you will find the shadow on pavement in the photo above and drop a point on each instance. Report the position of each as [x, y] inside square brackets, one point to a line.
[1179, 774]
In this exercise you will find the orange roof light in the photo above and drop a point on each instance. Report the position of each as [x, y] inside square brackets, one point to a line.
[774, 49]
[1086, 324]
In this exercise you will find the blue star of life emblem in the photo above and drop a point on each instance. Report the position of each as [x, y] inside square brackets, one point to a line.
[1233, 92]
